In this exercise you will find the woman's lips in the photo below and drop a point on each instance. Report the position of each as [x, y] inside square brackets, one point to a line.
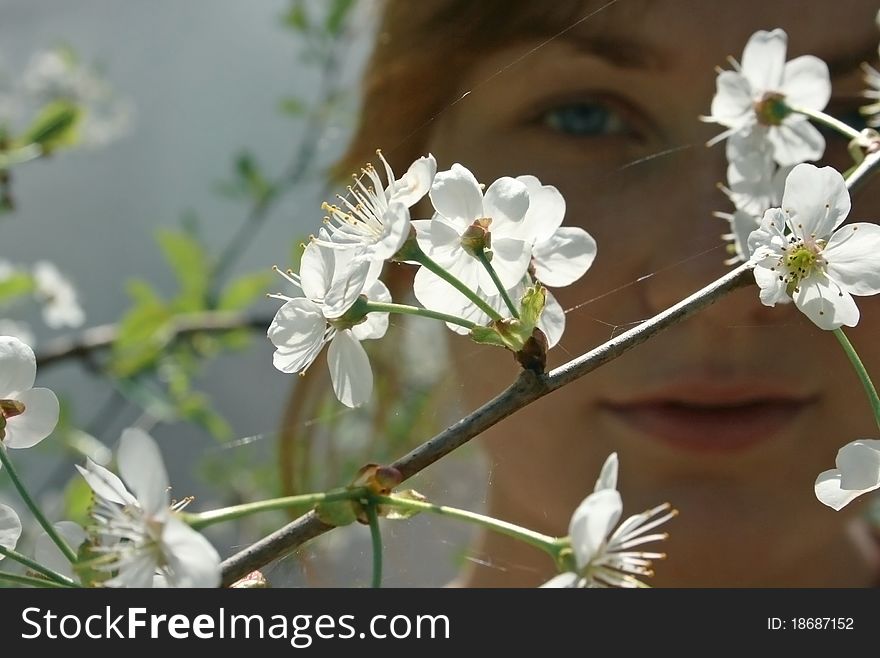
[710, 418]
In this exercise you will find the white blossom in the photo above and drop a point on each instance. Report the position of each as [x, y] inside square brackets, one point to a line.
[857, 472]
[466, 217]
[375, 217]
[754, 100]
[141, 535]
[27, 414]
[603, 555]
[60, 305]
[333, 281]
[802, 252]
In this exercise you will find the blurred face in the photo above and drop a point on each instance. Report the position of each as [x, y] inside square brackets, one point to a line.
[732, 414]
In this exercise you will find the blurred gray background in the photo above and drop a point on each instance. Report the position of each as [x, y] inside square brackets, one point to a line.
[205, 78]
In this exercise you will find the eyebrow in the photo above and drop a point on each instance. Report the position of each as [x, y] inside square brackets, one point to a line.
[621, 51]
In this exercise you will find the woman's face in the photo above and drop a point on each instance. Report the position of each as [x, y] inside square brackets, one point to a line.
[733, 413]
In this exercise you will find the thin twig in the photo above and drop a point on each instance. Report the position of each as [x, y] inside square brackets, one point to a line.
[102, 336]
[528, 387]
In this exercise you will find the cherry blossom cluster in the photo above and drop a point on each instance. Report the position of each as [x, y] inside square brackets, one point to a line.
[485, 259]
[137, 538]
[789, 216]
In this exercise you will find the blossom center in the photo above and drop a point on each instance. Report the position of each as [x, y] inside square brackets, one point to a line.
[800, 260]
[476, 238]
[771, 109]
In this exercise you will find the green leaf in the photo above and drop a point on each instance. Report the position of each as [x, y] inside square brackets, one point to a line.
[143, 331]
[55, 126]
[189, 262]
[336, 16]
[15, 285]
[296, 17]
[77, 500]
[240, 292]
[292, 106]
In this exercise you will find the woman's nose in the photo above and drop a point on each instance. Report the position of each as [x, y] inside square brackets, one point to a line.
[689, 249]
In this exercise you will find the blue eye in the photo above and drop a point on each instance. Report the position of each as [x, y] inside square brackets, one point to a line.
[584, 120]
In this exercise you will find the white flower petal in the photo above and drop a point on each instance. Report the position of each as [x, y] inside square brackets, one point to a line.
[608, 476]
[546, 210]
[552, 321]
[442, 242]
[829, 491]
[796, 141]
[825, 304]
[18, 367]
[510, 260]
[395, 231]
[816, 199]
[136, 573]
[456, 195]
[105, 484]
[563, 580]
[859, 465]
[298, 332]
[10, 528]
[506, 202]
[316, 269]
[763, 59]
[191, 559]
[806, 83]
[592, 522]
[346, 288]
[142, 469]
[732, 103]
[564, 257]
[852, 256]
[772, 289]
[36, 423]
[376, 324]
[435, 294]
[415, 183]
[49, 555]
[350, 370]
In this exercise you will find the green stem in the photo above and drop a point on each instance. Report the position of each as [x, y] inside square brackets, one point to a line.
[829, 121]
[20, 155]
[425, 261]
[380, 307]
[861, 372]
[546, 543]
[376, 537]
[481, 256]
[33, 565]
[16, 579]
[204, 519]
[66, 550]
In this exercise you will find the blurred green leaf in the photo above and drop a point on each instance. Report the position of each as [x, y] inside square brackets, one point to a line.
[142, 332]
[15, 285]
[296, 17]
[240, 292]
[336, 16]
[292, 106]
[55, 126]
[77, 500]
[189, 262]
